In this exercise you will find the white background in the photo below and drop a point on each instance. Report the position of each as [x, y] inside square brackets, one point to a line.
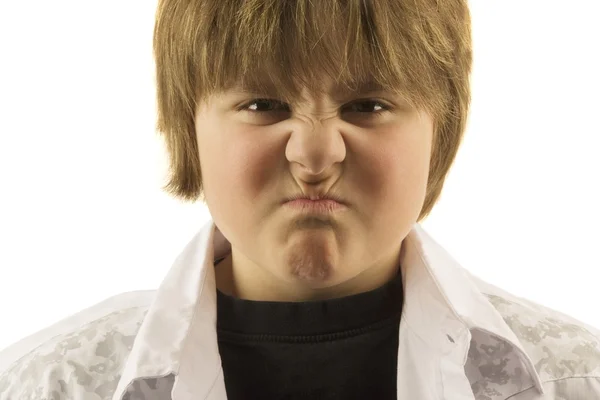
[82, 216]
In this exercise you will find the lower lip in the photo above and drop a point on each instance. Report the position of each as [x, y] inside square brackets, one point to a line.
[315, 206]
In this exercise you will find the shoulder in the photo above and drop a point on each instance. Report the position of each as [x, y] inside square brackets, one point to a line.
[79, 357]
[560, 346]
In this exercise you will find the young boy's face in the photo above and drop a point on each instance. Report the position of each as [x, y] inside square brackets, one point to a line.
[252, 160]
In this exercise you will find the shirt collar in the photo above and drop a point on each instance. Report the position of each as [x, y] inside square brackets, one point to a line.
[439, 292]
[441, 305]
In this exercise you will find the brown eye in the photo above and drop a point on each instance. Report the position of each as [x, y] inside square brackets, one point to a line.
[260, 105]
[370, 104]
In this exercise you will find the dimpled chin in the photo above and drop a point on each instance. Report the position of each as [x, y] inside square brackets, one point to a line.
[312, 260]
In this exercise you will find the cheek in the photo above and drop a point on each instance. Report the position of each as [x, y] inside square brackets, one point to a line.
[394, 179]
[235, 171]
[239, 171]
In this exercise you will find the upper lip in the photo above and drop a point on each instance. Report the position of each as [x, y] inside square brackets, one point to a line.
[315, 196]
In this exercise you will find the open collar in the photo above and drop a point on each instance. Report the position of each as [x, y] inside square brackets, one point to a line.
[441, 305]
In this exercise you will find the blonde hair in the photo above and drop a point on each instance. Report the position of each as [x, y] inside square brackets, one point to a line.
[420, 49]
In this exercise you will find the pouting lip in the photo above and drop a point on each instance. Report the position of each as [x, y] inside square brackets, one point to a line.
[316, 196]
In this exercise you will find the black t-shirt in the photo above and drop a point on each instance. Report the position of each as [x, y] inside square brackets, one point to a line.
[345, 348]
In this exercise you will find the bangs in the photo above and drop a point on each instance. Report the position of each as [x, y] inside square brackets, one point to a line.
[278, 48]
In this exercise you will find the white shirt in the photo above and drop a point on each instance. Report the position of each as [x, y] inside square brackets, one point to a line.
[460, 338]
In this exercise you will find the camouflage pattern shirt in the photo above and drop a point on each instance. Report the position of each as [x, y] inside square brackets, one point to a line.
[460, 338]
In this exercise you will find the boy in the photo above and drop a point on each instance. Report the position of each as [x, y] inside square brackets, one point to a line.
[314, 280]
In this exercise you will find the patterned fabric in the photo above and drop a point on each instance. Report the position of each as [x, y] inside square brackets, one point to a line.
[151, 388]
[83, 364]
[141, 347]
[560, 347]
